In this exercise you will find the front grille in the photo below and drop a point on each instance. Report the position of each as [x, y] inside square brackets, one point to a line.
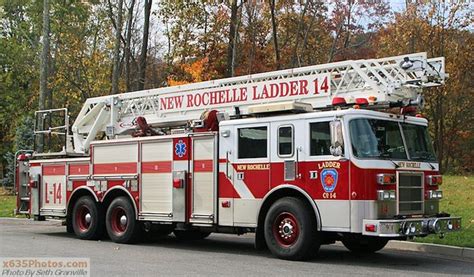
[410, 193]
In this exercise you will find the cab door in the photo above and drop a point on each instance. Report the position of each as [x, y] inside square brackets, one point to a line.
[328, 176]
[251, 170]
[286, 163]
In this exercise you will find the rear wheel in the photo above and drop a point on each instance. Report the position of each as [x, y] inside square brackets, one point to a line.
[87, 219]
[364, 244]
[120, 221]
[290, 230]
[190, 234]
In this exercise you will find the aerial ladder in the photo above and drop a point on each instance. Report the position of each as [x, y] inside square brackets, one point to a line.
[397, 80]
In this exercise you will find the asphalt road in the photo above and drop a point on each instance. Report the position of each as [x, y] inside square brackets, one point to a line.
[222, 255]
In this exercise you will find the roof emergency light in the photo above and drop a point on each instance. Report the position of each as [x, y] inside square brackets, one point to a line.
[361, 101]
[339, 101]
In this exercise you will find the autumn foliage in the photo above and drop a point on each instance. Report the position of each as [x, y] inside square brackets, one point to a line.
[190, 41]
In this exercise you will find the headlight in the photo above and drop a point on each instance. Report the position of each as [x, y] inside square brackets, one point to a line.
[385, 195]
[434, 194]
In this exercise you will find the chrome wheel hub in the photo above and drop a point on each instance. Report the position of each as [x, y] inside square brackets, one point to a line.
[123, 220]
[286, 229]
[88, 218]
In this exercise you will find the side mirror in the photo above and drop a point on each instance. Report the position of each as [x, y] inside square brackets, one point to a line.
[337, 141]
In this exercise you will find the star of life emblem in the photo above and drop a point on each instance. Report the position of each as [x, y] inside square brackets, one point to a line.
[180, 148]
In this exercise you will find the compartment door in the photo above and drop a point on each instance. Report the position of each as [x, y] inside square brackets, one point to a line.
[203, 190]
[156, 179]
[53, 190]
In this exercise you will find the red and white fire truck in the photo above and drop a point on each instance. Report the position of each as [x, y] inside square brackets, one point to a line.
[300, 157]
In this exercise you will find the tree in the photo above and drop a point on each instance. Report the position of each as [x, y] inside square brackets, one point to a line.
[349, 34]
[205, 40]
[24, 140]
[275, 34]
[45, 96]
[128, 41]
[233, 33]
[441, 29]
[20, 49]
[146, 27]
[117, 44]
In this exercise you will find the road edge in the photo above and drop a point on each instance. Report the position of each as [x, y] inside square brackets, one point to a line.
[447, 250]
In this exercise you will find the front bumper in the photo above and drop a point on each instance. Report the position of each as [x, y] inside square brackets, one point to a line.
[393, 228]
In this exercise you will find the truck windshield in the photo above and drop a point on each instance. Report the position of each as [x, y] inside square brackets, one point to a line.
[383, 139]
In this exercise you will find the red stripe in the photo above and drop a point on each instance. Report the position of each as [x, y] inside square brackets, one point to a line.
[226, 189]
[222, 160]
[156, 167]
[78, 169]
[120, 168]
[54, 170]
[203, 166]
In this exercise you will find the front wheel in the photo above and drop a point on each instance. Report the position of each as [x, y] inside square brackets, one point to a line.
[364, 244]
[120, 222]
[290, 230]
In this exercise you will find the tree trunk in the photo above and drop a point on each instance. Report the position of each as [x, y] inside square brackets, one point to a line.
[206, 23]
[275, 38]
[332, 51]
[232, 37]
[251, 25]
[306, 36]
[169, 59]
[45, 97]
[295, 58]
[146, 26]
[118, 36]
[127, 45]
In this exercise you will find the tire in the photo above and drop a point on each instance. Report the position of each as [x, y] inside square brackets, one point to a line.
[87, 219]
[290, 230]
[190, 235]
[363, 244]
[120, 222]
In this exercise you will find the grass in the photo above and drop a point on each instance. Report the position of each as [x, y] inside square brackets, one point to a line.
[7, 203]
[458, 200]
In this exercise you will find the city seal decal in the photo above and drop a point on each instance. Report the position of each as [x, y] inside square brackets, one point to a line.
[329, 179]
[180, 148]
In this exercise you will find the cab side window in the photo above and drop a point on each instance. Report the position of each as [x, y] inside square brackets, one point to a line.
[252, 142]
[320, 139]
[285, 141]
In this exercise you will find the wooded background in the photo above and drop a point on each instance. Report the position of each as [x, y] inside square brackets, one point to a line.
[55, 54]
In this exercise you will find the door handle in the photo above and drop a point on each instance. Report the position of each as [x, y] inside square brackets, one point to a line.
[227, 153]
[298, 174]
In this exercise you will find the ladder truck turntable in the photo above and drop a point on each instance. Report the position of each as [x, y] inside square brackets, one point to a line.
[300, 157]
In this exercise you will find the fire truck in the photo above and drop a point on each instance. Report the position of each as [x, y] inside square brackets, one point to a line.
[301, 157]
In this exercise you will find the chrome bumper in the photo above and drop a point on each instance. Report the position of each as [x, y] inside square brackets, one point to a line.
[410, 227]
